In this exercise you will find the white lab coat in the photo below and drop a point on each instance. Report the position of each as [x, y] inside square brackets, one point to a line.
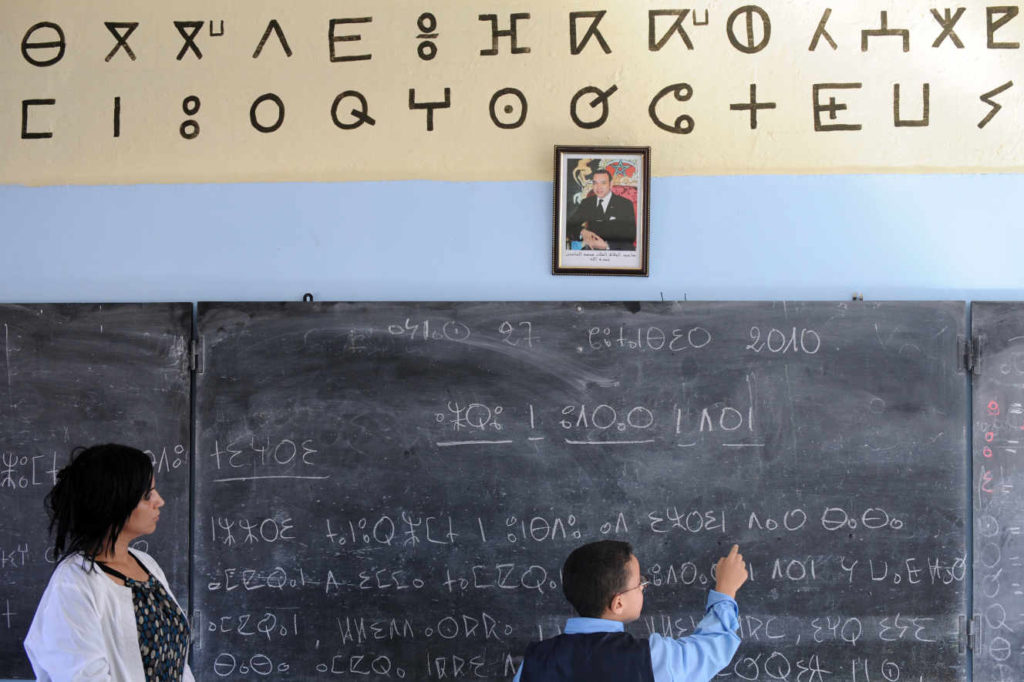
[84, 629]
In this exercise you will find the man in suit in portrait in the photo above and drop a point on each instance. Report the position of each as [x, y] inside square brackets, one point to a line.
[604, 221]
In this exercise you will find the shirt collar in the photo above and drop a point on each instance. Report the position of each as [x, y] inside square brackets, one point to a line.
[582, 626]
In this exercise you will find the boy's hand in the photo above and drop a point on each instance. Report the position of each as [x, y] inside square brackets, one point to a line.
[731, 572]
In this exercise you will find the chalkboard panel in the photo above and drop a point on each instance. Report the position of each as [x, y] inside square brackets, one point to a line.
[387, 491]
[77, 375]
[998, 329]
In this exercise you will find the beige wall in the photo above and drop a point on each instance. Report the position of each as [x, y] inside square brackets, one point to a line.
[465, 143]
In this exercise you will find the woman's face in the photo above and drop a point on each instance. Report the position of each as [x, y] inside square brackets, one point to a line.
[146, 514]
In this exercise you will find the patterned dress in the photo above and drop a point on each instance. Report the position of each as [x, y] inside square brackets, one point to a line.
[163, 630]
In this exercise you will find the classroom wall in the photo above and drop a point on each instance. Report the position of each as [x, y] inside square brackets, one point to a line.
[740, 237]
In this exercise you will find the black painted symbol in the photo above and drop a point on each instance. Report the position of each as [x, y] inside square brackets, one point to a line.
[117, 117]
[278, 122]
[59, 43]
[190, 127]
[599, 99]
[751, 45]
[832, 107]
[992, 24]
[359, 114]
[753, 106]
[25, 104]
[705, 22]
[822, 32]
[987, 98]
[427, 24]
[333, 40]
[430, 106]
[279, 32]
[115, 28]
[900, 122]
[883, 31]
[512, 33]
[188, 31]
[220, 31]
[576, 44]
[683, 124]
[653, 43]
[509, 108]
[948, 23]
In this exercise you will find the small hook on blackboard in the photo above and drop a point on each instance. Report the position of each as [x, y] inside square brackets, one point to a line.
[662, 296]
[307, 297]
[858, 297]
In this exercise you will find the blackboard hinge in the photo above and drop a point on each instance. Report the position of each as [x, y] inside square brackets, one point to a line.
[969, 630]
[968, 633]
[195, 361]
[969, 350]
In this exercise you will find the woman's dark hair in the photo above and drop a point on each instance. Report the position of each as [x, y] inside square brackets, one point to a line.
[593, 574]
[94, 496]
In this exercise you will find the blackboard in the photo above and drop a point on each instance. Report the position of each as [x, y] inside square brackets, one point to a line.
[387, 491]
[77, 375]
[998, 435]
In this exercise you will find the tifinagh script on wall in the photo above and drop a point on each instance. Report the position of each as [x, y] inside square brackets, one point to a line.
[131, 91]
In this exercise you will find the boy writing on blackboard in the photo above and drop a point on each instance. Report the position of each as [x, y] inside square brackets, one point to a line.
[603, 583]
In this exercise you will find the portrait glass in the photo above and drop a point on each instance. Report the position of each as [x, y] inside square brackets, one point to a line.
[601, 214]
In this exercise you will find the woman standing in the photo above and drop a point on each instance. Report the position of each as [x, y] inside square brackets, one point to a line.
[107, 612]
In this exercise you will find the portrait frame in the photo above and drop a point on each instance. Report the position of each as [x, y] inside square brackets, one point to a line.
[594, 189]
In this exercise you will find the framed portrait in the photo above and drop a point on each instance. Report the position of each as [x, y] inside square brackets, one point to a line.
[602, 211]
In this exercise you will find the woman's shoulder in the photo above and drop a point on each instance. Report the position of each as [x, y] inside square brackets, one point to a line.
[73, 567]
[75, 573]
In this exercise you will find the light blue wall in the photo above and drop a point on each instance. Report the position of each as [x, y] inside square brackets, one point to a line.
[743, 237]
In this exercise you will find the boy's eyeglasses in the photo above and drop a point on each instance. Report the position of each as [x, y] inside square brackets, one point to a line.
[644, 582]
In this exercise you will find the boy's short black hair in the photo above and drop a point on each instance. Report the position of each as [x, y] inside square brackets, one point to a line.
[593, 574]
